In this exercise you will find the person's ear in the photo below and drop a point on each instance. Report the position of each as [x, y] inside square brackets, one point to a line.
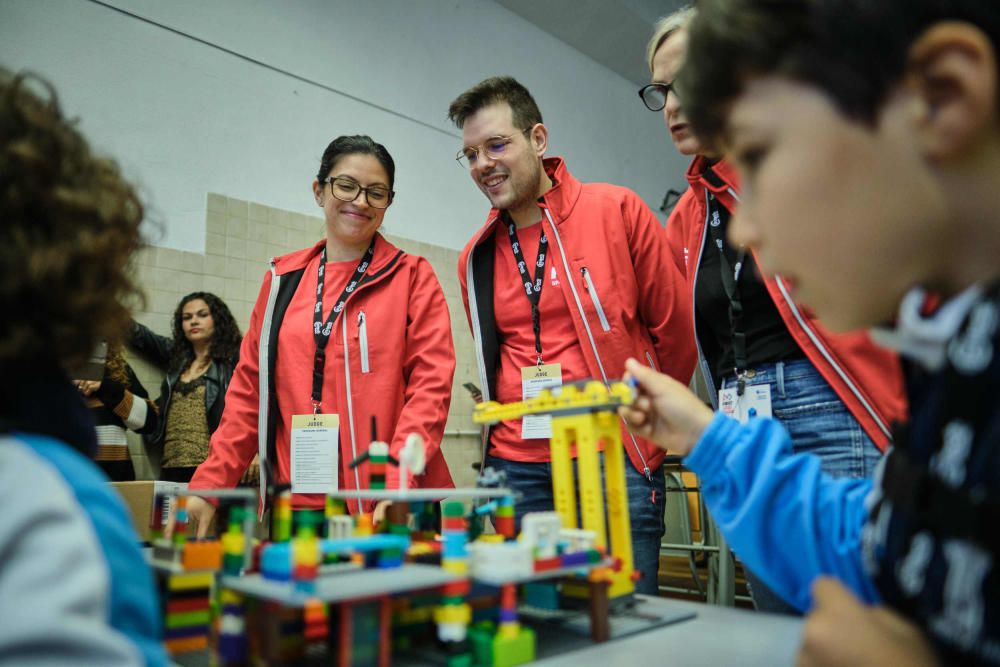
[539, 138]
[953, 69]
[318, 192]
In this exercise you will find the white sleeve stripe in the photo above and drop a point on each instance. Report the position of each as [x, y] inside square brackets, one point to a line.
[137, 415]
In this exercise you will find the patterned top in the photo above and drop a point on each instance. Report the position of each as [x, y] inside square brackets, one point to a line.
[931, 543]
[186, 439]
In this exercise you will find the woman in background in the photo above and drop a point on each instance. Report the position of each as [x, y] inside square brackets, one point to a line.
[199, 362]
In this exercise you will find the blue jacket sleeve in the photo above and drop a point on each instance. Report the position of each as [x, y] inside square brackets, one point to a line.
[787, 521]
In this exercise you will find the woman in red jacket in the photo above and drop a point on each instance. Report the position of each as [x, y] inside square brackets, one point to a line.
[348, 331]
[759, 351]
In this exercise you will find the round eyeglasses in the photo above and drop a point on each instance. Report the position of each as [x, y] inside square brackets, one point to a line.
[347, 189]
[654, 95]
[494, 148]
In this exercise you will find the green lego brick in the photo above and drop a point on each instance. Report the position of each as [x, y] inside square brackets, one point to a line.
[481, 638]
[519, 650]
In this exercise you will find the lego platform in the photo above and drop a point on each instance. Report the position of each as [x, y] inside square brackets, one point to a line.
[558, 633]
[361, 584]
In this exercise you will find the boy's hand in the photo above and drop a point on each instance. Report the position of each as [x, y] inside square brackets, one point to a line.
[840, 631]
[665, 411]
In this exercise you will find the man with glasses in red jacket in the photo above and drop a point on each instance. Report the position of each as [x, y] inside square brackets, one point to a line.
[564, 282]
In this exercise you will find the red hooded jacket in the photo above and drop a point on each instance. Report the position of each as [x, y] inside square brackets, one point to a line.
[392, 355]
[628, 298]
[866, 377]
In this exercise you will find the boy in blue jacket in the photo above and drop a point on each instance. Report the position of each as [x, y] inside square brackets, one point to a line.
[867, 136]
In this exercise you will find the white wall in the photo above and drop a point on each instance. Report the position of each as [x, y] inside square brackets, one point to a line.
[185, 118]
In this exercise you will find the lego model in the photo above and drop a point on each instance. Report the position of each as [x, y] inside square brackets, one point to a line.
[332, 588]
[585, 414]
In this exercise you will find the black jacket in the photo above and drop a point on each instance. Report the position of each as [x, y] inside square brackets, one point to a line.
[156, 348]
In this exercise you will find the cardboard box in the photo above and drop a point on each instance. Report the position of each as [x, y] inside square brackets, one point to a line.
[138, 496]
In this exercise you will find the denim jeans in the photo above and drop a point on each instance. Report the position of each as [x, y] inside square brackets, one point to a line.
[818, 423]
[533, 481]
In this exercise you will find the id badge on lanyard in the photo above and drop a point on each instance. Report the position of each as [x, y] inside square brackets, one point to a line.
[315, 438]
[533, 380]
[315, 445]
[755, 402]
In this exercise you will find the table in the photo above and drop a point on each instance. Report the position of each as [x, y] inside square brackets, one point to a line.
[715, 637]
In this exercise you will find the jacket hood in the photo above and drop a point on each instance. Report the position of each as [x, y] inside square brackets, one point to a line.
[295, 261]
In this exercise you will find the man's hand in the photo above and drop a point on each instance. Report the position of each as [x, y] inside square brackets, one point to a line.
[840, 631]
[665, 412]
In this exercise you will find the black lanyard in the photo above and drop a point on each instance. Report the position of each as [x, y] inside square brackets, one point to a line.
[321, 330]
[730, 283]
[532, 287]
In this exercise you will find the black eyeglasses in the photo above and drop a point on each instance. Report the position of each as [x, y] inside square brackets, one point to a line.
[347, 189]
[654, 95]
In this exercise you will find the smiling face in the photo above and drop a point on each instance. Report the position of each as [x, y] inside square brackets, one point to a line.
[850, 215]
[667, 62]
[196, 321]
[350, 225]
[516, 179]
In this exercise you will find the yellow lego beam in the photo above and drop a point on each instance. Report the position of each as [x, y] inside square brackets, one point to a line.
[571, 399]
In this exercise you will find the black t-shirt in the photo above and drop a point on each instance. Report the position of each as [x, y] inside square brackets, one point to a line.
[768, 339]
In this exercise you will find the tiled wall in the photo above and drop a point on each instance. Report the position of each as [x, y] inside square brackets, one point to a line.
[240, 238]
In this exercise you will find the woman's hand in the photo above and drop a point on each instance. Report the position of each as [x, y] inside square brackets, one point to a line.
[87, 387]
[665, 411]
[251, 477]
[201, 512]
[378, 514]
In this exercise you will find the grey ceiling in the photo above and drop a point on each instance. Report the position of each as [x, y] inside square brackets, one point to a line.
[612, 33]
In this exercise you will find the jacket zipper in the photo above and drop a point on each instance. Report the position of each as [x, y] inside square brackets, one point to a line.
[829, 358]
[350, 410]
[706, 372]
[590, 335]
[652, 364]
[596, 299]
[263, 386]
[363, 340]
[477, 334]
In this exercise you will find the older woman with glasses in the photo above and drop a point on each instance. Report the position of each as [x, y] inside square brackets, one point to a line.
[759, 351]
[347, 337]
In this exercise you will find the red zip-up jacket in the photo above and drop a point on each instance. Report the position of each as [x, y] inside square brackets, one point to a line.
[394, 359]
[628, 298]
[866, 377]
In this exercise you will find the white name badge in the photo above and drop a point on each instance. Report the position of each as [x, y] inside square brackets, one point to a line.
[315, 445]
[755, 402]
[533, 380]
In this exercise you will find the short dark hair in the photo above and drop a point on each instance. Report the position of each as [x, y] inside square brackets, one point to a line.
[524, 111]
[70, 227]
[853, 50]
[352, 145]
[225, 345]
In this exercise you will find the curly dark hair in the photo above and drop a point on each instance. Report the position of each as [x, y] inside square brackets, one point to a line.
[225, 341]
[69, 226]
